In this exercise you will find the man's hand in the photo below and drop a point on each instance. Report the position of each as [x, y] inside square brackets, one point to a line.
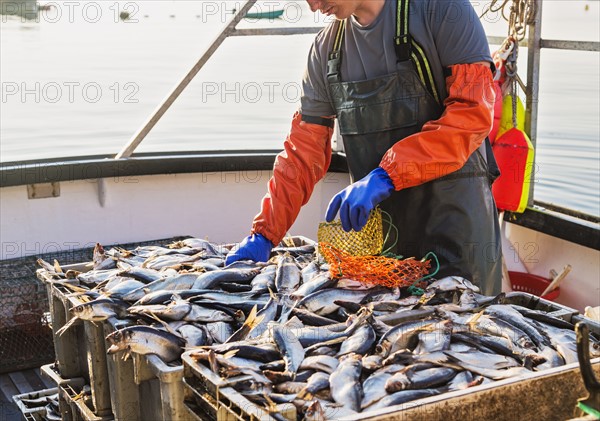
[254, 247]
[356, 201]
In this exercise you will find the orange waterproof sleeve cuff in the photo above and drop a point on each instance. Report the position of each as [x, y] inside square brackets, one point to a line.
[297, 169]
[444, 145]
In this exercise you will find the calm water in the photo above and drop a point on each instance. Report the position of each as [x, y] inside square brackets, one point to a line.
[77, 80]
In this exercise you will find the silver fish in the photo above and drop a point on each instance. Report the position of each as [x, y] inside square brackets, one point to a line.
[421, 379]
[289, 346]
[175, 310]
[464, 380]
[404, 335]
[403, 396]
[206, 315]
[97, 276]
[372, 362]
[170, 260]
[346, 388]
[145, 340]
[323, 302]
[374, 385]
[177, 282]
[290, 387]
[317, 382]
[452, 283]
[361, 341]
[124, 287]
[483, 359]
[142, 274]
[324, 363]
[309, 271]
[193, 335]
[512, 316]
[265, 280]
[287, 276]
[317, 283]
[95, 311]
[435, 339]
[210, 280]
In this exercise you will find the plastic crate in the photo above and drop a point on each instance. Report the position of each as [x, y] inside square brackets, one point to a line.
[50, 372]
[160, 387]
[209, 397]
[34, 413]
[124, 392]
[80, 350]
[532, 284]
[80, 404]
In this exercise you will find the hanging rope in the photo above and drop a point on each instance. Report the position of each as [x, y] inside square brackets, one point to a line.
[510, 84]
[518, 14]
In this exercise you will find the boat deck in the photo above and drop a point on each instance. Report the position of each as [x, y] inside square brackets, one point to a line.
[17, 383]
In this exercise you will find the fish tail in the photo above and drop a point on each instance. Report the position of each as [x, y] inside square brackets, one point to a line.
[305, 395]
[253, 320]
[67, 325]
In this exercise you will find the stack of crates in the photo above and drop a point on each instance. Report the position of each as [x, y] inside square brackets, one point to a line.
[30, 412]
[101, 386]
[81, 358]
[96, 386]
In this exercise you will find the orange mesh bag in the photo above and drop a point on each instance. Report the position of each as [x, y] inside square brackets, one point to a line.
[375, 270]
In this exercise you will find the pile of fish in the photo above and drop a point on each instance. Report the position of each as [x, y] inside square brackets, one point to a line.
[289, 332]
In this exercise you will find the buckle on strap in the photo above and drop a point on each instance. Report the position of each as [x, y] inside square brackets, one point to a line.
[333, 66]
[402, 45]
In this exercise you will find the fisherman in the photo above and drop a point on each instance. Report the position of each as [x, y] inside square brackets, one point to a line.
[410, 84]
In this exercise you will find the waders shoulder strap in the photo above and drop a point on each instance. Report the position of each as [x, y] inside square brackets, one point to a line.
[334, 62]
[406, 49]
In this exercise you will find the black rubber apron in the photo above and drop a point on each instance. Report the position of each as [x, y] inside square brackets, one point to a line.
[454, 216]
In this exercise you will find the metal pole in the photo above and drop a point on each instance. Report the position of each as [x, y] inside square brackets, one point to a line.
[170, 99]
[533, 78]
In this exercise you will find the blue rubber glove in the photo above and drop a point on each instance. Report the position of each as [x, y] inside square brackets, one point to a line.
[356, 201]
[254, 247]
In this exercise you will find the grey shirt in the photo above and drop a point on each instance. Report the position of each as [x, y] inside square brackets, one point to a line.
[448, 30]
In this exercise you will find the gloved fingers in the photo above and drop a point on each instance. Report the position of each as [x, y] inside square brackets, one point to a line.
[361, 218]
[239, 252]
[357, 217]
[333, 207]
[345, 216]
[232, 256]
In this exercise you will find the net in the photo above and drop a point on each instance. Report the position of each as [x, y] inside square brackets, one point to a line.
[375, 270]
[367, 241]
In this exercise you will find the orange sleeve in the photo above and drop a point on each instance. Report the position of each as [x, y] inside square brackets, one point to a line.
[298, 168]
[444, 145]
